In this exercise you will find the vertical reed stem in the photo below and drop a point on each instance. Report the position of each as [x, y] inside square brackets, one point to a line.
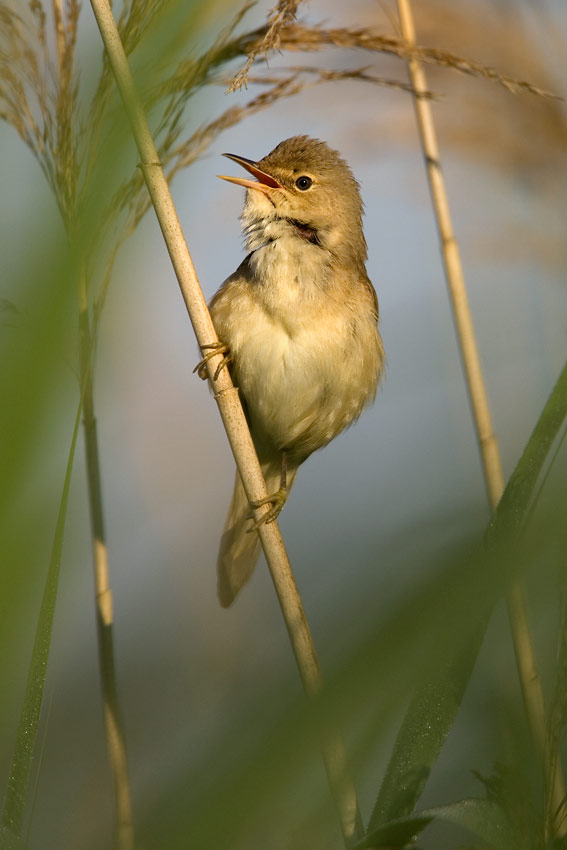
[453, 270]
[115, 738]
[230, 408]
[488, 445]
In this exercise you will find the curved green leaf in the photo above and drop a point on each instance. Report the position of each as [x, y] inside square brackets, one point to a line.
[435, 705]
[484, 818]
[423, 732]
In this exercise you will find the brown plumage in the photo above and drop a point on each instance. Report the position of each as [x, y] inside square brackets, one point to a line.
[299, 317]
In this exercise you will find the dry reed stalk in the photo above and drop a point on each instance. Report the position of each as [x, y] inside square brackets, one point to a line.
[66, 34]
[525, 656]
[39, 98]
[232, 416]
[115, 737]
[56, 149]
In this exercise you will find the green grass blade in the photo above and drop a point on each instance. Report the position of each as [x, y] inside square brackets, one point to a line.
[9, 841]
[18, 780]
[422, 735]
[435, 705]
[516, 498]
[484, 818]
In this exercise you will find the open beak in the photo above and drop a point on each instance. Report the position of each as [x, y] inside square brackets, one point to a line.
[264, 182]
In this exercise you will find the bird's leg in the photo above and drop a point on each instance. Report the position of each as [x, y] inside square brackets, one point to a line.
[216, 348]
[277, 500]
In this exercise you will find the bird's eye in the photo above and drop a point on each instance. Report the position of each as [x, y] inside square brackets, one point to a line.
[303, 183]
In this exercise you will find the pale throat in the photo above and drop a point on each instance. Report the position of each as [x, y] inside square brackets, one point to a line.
[288, 267]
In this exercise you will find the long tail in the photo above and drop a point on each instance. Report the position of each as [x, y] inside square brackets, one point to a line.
[239, 549]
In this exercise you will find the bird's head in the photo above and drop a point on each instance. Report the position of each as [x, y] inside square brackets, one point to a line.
[303, 189]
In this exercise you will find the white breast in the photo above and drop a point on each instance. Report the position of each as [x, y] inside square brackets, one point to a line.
[298, 354]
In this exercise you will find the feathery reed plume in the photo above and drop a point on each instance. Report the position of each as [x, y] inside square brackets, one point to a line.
[280, 16]
[299, 37]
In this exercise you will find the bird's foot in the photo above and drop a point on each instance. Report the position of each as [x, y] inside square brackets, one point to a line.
[276, 500]
[216, 348]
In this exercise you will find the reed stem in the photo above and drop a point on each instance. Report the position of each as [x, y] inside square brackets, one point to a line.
[488, 445]
[115, 737]
[230, 408]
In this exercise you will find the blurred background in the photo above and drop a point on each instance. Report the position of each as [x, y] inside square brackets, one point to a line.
[372, 517]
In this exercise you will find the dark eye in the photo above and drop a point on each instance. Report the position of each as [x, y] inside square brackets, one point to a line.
[303, 182]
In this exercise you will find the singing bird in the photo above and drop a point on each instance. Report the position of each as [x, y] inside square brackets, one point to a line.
[299, 319]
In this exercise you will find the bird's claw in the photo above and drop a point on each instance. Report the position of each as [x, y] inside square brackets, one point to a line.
[216, 348]
[276, 500]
